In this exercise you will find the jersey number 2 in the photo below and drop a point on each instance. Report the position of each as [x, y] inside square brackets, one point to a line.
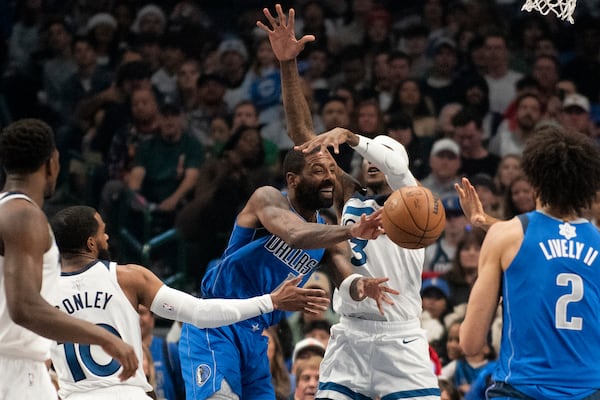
[562, 320]
[85, 354]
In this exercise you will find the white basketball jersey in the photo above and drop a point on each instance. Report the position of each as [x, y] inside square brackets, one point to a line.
[94, 294]
[382, 258]
[16, 341]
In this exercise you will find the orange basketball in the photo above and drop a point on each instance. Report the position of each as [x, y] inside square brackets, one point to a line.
[413, 217]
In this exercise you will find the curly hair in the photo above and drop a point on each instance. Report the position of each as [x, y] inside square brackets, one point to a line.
[25, 145]
[563, 168]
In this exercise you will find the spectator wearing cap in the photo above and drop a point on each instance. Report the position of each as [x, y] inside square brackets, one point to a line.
[150, 19]
[102, 30]
[474, 156]
[305, 349]
[400, 128]
[439, 255]
[233, 56]
[576, 114]
[512, 141]
[441, 85]
[299, 319]
[444, 162]
[166, 166]
[211, 103]
[435, 294]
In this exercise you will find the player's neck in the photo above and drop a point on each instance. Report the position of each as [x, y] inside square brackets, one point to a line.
[29, 185]
[71, 262]
[554, 212]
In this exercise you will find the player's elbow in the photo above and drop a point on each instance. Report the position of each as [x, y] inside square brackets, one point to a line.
[470, 346]
[20, 313]
[299, 239]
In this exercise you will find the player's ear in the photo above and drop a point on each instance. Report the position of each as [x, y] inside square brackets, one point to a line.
[291, 179]
[91, 244]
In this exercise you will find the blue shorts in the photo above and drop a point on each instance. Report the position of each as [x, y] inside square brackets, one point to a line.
[237, 353]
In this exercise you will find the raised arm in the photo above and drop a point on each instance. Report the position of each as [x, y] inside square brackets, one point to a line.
[383, 151]
[269, 208]
[286, 48]
[472, 207]
[144, 287]
[25, 240]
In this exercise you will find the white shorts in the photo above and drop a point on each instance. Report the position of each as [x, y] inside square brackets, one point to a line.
[118, 392]
[377, 359]
[21, 378]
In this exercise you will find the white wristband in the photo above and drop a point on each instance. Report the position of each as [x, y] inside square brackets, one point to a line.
[207, 313]
[346, 285]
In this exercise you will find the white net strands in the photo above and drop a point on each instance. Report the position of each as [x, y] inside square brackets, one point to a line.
[562, 8]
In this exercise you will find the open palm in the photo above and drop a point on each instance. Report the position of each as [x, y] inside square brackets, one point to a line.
[282, 35]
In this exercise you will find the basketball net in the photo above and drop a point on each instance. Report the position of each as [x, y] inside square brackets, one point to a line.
[562, 8]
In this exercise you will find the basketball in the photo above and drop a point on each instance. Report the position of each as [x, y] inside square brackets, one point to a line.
[413, 217]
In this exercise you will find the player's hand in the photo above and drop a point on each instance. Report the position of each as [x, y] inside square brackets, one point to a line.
[123, 353]
[282, 36]
[332, 138]
[470, 203]
[369, 227]
[289, 297]
[375, 289]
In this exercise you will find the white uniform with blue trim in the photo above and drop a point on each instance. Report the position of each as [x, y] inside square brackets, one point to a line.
[94, 294]
[371, 355]
[23, 352]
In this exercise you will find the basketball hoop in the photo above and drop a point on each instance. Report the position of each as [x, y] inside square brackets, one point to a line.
[562, 8]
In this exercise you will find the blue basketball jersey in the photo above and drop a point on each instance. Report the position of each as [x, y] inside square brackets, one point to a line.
[551, 297]
[256, 262]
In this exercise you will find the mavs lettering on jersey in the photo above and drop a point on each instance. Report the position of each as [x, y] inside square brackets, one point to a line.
[297, 259]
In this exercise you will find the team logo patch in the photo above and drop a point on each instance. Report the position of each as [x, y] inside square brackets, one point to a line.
[203, 372]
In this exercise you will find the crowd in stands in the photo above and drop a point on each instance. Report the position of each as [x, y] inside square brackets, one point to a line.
[170, 114]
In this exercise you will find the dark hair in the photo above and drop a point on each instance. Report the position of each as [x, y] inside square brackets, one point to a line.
[293, 162]
[234, 139]
[322, 324]
[465, 116]
[510, 209]
[554, 155]
[473, 237]
[25, 145]
[132, 71]
[72, 226]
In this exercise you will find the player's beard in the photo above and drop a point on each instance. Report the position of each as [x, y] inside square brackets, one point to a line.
[104, 254]
[309, 195]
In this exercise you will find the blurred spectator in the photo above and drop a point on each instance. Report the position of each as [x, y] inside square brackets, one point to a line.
[439, 255]
[476, 96]
[279, 373]
[264, 83]
[312, 20]
[165, 359]
[24, 38]
[381, 84]
[444, 161]
[149, 370]
[444, 127]
[307, 378]
[401, 129]
[399, 69]
[463, 273]
[188, 93]
[211, 103]
[101, 29]
[318, 64]
[508, 169]
[224, 185]
[369, 118]
[512, 140]
[166, 166]
[151, 20]
[519, 198]
[474, 156]
[233, 56]
[500, 78]
[576, 114]
[449, 392]
[319, 329]
[352, 27]
[546, 71]
[488, 194]
[305, 349]
[172, 56]
[441, 85]
[413, 42]
[410, 100]
[435, 294]
[334, 113]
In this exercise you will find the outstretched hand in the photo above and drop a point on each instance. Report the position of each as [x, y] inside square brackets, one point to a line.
[289, 297]
[470, 203]
[374, 288]
[332, 138]
[369, 227]
[282, 35]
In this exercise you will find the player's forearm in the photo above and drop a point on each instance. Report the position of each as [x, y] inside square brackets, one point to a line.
[315, 236]
[393, 163]
[207, 313]
[297, 112]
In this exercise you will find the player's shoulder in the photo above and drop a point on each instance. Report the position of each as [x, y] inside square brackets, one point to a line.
[21, 213]
[505, 230]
